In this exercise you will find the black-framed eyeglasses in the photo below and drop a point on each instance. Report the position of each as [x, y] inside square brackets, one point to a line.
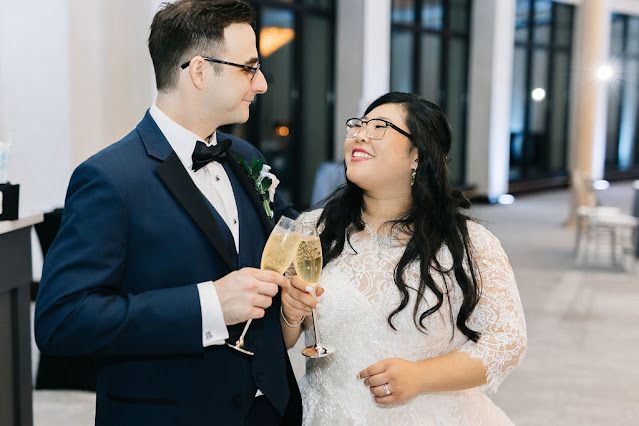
[253, 70]
[375, 128]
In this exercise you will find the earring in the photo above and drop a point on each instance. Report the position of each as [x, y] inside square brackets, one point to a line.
[412, 182]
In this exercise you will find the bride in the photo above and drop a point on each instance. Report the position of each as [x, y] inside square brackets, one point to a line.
[419, 302]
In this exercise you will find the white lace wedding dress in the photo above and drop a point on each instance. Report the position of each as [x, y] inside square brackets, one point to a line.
[360, 294]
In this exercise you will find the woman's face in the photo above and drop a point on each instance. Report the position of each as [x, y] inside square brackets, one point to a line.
[385, 165]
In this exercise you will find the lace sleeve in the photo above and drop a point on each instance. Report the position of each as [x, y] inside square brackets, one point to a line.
[498, 316]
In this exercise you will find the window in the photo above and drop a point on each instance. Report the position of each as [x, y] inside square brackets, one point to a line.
[622, 132]
[429, 57]
[292, 123]
[541, 89]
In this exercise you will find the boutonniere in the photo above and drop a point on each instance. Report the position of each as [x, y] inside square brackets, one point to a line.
[263, 181]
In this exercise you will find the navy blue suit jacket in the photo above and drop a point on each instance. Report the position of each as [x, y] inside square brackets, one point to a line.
[120, 283]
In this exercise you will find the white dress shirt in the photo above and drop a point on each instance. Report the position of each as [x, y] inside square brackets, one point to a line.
[214, 183]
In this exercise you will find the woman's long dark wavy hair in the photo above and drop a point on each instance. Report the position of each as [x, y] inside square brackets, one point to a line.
[433, 220]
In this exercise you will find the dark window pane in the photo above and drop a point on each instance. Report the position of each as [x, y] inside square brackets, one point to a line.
[540, 95]
[276, 55]
[458, 13]
[429, 78]
[622, 131]
[612, 124]
[629, 113]
[616, 37]
[632, 40]
[403, 12]
[558, 95]
[518, 113]
[456, 104]
[542, 14]
[325, 4]
[519, 95]
[562, 24]
[432, 14]
[537, 121]
[436, 73]
[316, 101]
[521, 20]
[401, 60]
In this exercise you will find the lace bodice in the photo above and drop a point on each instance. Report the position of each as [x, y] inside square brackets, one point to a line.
[360, 294]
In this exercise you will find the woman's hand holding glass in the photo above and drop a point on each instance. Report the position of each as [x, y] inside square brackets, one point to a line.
[308, 265]
[298, 300]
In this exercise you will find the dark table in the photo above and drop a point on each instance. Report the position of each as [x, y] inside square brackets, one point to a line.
[16, 404]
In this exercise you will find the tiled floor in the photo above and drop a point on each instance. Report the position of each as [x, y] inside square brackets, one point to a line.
[583, 338]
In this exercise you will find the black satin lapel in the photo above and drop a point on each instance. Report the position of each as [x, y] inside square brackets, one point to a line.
[248, 186]
[180, 184]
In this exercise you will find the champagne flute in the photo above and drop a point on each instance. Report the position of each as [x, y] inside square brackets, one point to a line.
[308, 265]
[277, 256]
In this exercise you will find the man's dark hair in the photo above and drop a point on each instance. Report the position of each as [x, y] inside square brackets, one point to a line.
[187, 28]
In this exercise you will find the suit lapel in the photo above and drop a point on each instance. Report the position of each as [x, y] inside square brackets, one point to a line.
[180, 184]
[249, 188]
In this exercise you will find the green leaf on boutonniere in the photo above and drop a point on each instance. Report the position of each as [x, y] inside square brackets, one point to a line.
[265, 184]
[256, 168]
[244, 165]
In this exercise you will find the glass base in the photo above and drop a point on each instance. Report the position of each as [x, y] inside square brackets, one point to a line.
[317, 351]
[239, 348]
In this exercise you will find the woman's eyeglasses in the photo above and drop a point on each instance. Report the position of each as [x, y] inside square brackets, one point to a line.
[375, 128]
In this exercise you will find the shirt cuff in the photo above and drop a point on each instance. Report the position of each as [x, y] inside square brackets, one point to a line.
[214, 331]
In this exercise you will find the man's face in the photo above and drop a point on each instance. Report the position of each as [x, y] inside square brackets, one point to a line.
[232, 91]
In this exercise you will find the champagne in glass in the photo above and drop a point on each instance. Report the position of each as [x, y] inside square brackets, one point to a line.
[279, 250]
[277, 256]
[308, 265]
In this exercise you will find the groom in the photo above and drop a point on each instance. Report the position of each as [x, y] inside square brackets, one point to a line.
[155, 263]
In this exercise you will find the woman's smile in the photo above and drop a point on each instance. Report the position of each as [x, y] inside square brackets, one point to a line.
[360, 154]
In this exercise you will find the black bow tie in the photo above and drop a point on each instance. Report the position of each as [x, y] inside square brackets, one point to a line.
[203, 155]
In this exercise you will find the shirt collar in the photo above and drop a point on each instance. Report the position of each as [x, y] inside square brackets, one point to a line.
[181, 139]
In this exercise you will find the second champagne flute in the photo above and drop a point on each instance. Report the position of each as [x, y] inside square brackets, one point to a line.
[277, 256]
[308, 265]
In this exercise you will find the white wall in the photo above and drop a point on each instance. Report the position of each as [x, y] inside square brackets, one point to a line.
[75, 76]
[111, 71]
[34, 104]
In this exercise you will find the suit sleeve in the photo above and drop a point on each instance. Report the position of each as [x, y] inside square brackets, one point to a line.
[83, 306]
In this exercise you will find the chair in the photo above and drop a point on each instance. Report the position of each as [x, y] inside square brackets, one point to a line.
[596, 223]
[593, 224]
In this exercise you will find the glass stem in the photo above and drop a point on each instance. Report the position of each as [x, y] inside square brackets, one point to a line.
[317, 338]
[246, 327]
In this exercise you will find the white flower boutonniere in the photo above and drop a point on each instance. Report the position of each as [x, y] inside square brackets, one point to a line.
[263, 180]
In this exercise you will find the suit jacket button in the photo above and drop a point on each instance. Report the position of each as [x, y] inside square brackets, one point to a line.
[237, 401]
[258, 378]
